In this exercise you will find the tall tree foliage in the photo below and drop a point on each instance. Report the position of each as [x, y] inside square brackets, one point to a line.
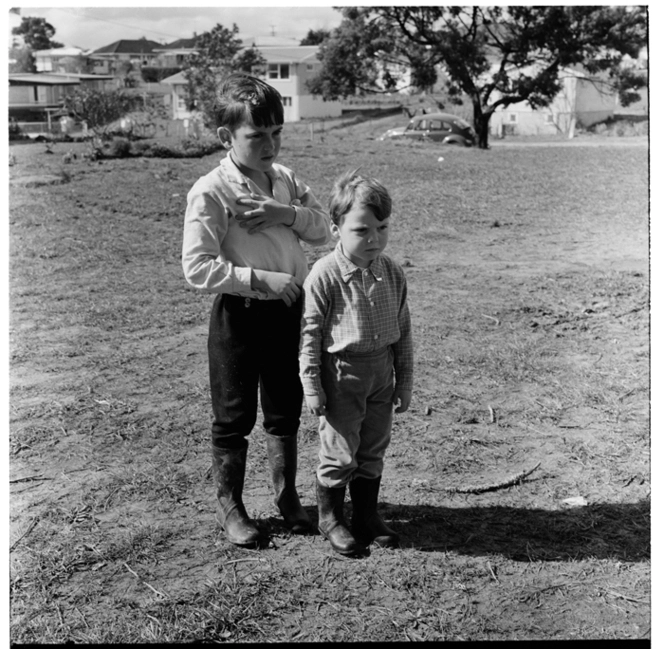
[37, 33]
[315, 37]
[496, 56]
[218, 53]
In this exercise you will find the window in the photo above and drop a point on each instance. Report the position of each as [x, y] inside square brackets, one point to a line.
[310, 67]
[548, 119]
[438, 125]
[287, 101]
[278, 71]
[512, 118]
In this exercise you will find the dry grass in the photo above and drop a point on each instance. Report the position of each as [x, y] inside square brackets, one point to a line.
[529, 295]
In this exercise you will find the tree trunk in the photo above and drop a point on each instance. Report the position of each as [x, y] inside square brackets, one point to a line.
[481, 123]
[482, 129]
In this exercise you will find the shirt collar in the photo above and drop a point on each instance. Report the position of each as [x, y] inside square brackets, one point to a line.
[348, 268]
[233, 174]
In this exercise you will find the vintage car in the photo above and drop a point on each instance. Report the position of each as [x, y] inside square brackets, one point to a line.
[437, 127]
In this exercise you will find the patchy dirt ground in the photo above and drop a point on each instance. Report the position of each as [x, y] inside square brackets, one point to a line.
[529, 291]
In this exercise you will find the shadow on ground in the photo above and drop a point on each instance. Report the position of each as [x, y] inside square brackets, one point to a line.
[605, 531]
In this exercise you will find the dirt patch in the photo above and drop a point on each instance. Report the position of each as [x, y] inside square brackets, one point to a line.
[529, 291]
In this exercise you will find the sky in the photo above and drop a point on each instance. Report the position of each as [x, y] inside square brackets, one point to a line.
[94, 27]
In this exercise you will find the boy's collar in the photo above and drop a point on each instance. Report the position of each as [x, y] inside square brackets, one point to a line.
[348, 268]
[234, 173]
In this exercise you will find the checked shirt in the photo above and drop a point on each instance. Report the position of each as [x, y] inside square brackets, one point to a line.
[355, 310]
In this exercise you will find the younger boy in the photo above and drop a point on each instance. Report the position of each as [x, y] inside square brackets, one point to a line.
[356, 340]
[242, 232]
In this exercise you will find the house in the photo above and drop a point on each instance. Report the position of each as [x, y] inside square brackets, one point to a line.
[35, 98]
[174, 54]
[583, 101]
[288, 68]
[124, 55]
[178, 84]
[61, 60]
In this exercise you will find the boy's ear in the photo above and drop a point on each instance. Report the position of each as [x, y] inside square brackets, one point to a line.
[334, 228]
[224, 136]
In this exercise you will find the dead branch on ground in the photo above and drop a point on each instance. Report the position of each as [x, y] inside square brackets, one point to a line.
[508, 482]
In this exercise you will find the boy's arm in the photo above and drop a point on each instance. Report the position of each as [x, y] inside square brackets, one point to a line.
[313, 320]
[304, 215]
[204, 265]
[403, 348]
[203, 261]
[312, 221]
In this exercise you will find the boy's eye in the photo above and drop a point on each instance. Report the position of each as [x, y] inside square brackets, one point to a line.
[383, 227]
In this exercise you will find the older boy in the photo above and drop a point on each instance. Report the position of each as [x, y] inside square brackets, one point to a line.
[356, 340]
[242, 232]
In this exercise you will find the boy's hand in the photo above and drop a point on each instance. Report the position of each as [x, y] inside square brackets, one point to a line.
[401, 399]
[264, 213]
[281, 285]
[316, 404]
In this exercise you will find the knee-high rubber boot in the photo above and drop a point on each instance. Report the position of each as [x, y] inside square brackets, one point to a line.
[282, 457]
[366, 523]
[331, 521]
[228, 466]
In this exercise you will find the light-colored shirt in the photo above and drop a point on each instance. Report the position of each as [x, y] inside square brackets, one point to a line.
[218, 255]
[355, 310]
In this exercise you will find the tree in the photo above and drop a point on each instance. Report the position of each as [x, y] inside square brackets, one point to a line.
[315, 37]
[37, 33]
[218, 53]
[21, 59]
[99, 108]
[496, 56]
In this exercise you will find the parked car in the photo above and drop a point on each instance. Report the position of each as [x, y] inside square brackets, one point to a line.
[437, 127]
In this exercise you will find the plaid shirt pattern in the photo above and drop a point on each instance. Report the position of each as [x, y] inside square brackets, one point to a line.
[355, 310]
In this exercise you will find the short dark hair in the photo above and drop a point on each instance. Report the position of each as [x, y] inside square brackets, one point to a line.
[241, 98]
[353, 188]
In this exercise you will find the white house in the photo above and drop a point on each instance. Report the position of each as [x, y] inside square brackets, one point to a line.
[61, 60]
[288, 69]
[583, 101]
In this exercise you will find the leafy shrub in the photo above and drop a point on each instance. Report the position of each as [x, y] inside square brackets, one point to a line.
[120, 148]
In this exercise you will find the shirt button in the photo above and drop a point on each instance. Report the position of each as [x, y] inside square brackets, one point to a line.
[372, 303]
[376, 337]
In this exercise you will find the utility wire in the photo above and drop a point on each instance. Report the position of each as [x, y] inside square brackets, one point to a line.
[79, 14]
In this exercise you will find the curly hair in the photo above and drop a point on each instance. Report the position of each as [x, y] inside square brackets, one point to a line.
[352, 189]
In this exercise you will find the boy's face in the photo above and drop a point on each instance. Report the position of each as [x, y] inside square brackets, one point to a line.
[363, 237]
[254, 147]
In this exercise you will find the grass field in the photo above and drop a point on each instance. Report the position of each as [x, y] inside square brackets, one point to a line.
[529, 293]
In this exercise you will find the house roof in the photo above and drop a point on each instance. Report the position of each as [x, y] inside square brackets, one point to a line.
[140, 46]
[180, 44]
[43, 79]
[89, 77]
[61, 51]
[268, 41]
[292, 54]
